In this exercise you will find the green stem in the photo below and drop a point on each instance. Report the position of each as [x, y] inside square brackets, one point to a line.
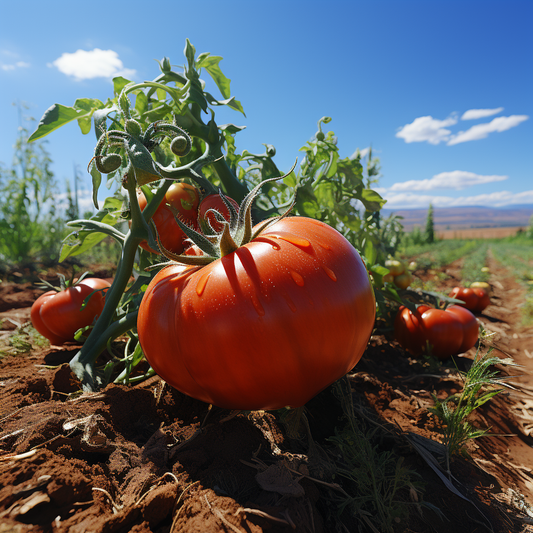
[99, 226]
[83, 362]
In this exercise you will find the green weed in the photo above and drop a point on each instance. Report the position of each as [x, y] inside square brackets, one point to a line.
[480, 384]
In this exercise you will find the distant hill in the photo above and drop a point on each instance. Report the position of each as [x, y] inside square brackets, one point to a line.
[465, 217]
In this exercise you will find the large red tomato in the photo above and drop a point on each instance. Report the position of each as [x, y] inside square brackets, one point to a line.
[214, 201]
[184, 198]
[267, 326]
[475, 299]
[58, 315]
[446, 332]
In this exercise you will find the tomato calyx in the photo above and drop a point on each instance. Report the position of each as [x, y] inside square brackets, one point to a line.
[63, 282]
[234, 233]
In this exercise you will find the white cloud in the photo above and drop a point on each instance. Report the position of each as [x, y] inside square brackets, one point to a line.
[427, 129]
[473, 114]
[83, 64]
[458, 179]
[495, 199]
[13, 66]
[480, 131]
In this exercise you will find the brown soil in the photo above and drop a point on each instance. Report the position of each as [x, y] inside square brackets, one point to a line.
[147, 458]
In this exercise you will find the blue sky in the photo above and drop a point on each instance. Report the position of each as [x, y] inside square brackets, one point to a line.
[441, 91]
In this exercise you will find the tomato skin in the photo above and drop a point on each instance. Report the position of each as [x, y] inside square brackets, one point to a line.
[483, 299]
[184, 198]
[448, 332]
[475, 299]
[57, 315]
[214, 201]
[267, 326]
[470, 326]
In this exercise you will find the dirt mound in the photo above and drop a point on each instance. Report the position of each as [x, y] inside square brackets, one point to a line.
[147, 458]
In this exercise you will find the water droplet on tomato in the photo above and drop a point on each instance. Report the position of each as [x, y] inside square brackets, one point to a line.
[202, 282]
[326, 246]
[297, 278]
[330, 273]
[298, 241]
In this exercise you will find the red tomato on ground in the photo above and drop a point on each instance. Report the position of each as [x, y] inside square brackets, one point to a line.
[446, 332]
[267, 326]
[184, 198]
[475, 299]
[470, 326]
[214, 201]
[57, 315]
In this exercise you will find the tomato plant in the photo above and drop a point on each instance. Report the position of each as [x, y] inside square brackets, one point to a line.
[268, 325]
[57, 315]
[475, 299]
[169, 135]
[445, 332]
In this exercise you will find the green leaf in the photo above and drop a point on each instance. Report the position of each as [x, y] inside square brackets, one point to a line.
[83, 240]
[141, 102]
[58, 115]
[85, 125]
[97, 180]
[372, 200]
[370, 251]
[190, 52]
[210, 63]
[231, 128]
[119, 83]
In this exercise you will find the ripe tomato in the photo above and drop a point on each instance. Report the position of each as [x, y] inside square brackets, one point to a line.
[57, 315]
[470, 326]
[184, 198]
[214, 201]
[475, 299]
[447, 332]
[266, 326]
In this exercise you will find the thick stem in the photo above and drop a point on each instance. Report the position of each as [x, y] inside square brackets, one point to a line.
[83, 362]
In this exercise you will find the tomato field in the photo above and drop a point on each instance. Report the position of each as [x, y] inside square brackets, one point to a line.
[253, 350]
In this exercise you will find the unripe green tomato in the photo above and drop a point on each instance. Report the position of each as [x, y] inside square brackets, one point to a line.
[395, 266]
[481, 285]
[403, 280]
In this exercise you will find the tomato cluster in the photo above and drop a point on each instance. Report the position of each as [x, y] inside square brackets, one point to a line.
[57, 315]
[475, 298]
[441, 332]
[183, 201]
[266, 326]
[398, 273]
